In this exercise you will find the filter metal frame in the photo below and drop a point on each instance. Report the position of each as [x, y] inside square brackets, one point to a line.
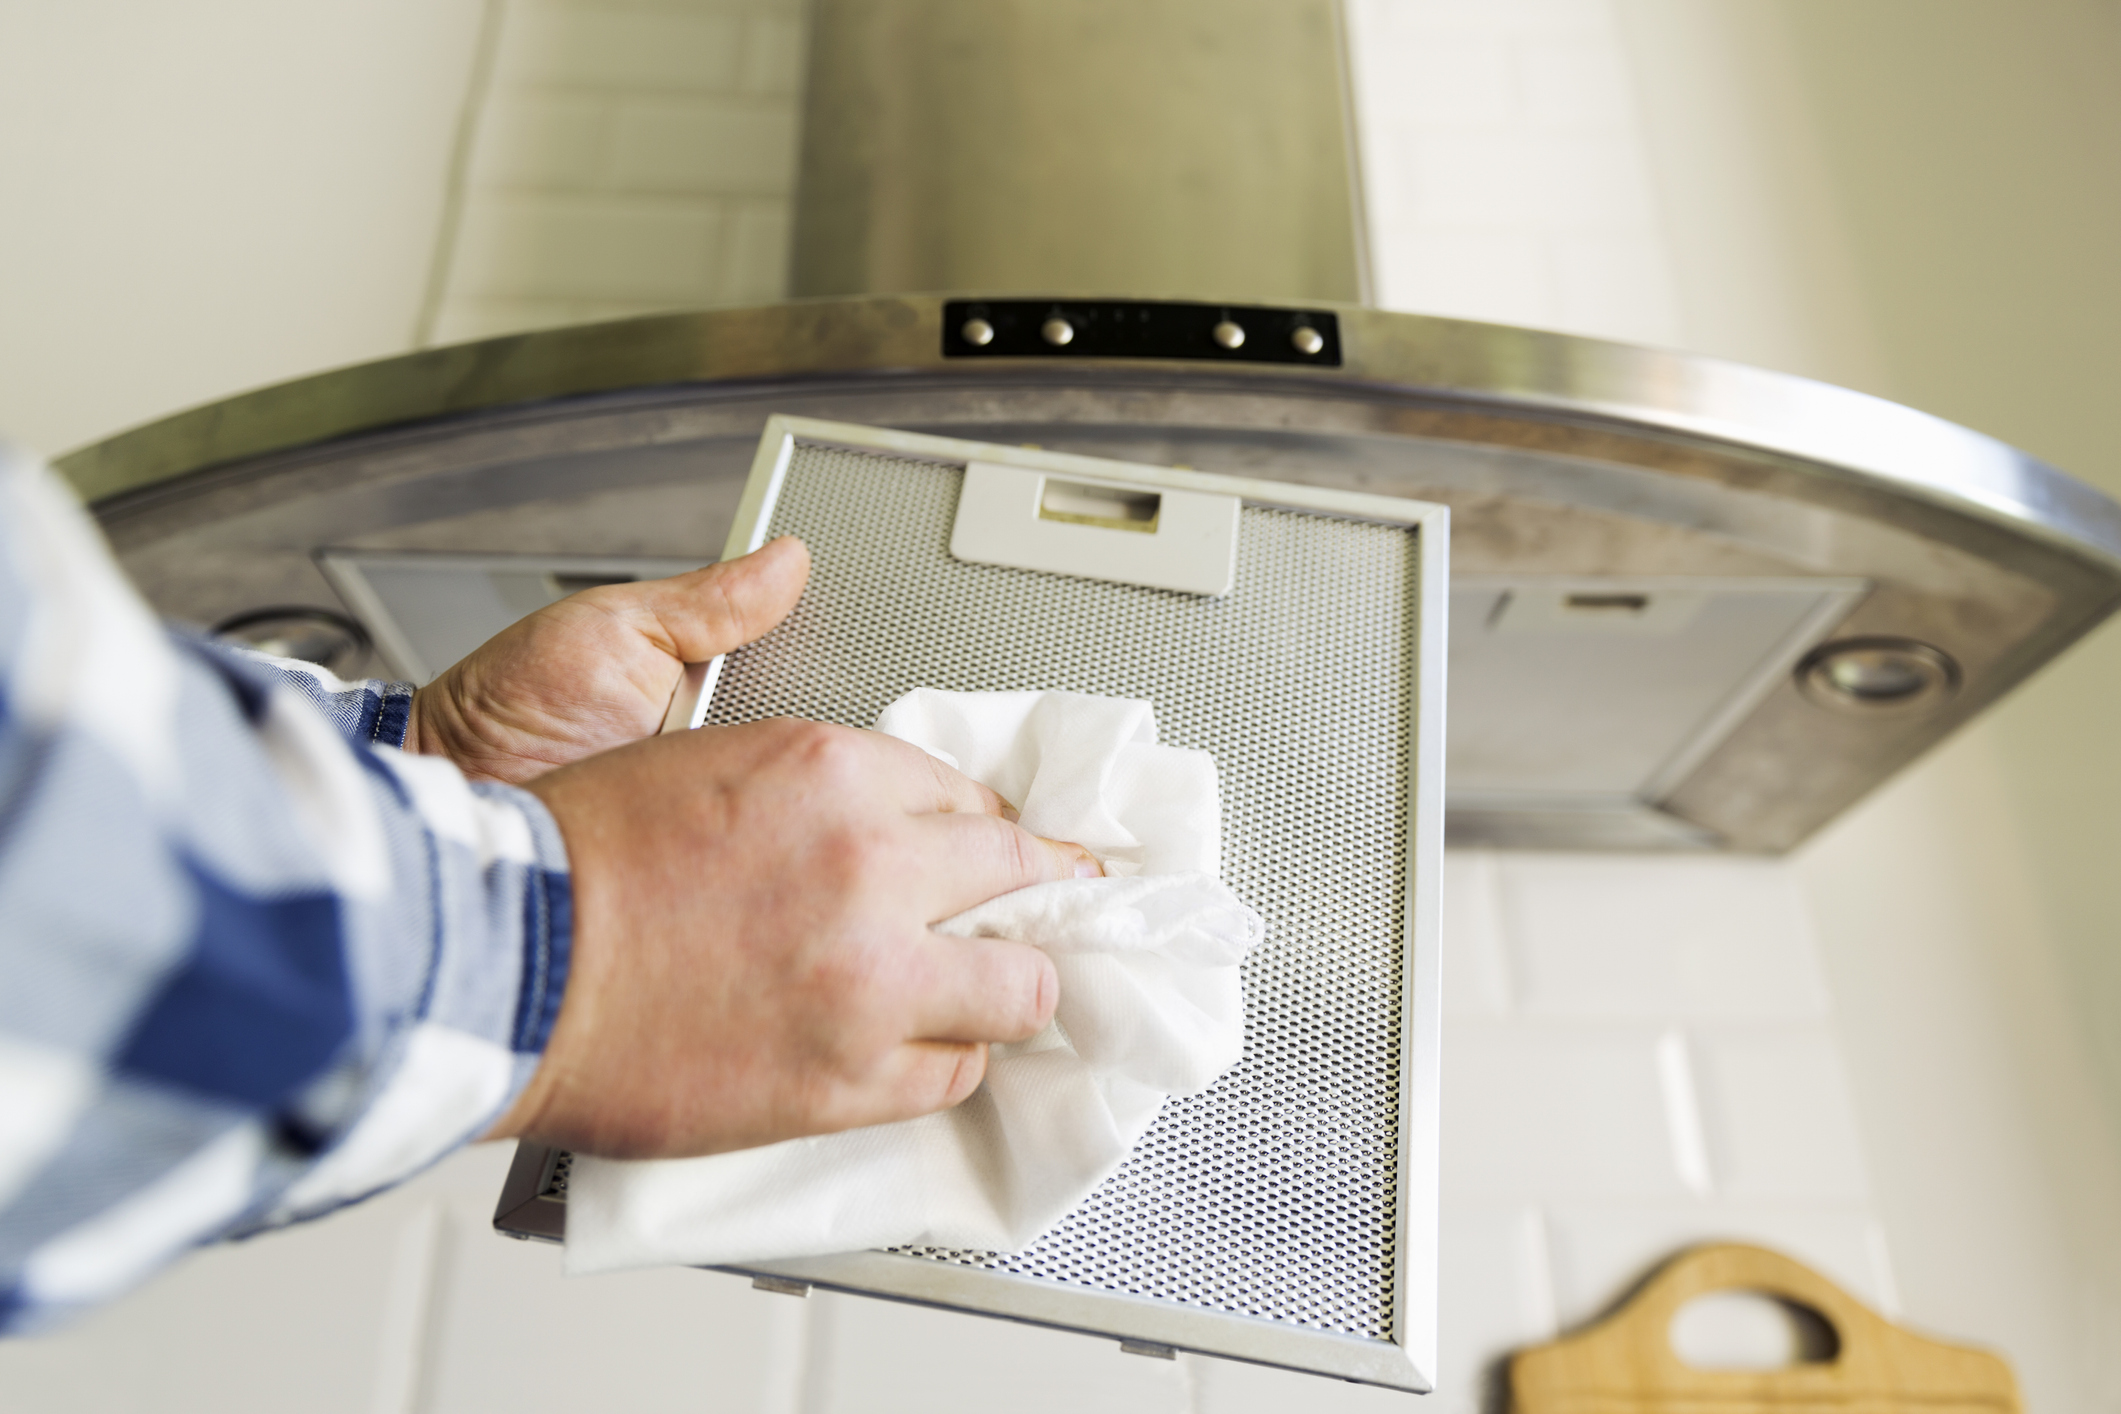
[532, 1204]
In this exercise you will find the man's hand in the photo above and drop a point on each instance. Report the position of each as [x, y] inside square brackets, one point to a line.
[752, 956]
[597, 669]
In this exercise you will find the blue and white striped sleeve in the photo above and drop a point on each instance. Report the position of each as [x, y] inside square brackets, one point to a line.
[369, 712]
[249, 971]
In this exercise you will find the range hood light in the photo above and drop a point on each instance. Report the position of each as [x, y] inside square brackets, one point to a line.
[1874, 674]
[331, 641]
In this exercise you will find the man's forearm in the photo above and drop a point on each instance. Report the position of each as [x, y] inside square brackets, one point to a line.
[248, 971]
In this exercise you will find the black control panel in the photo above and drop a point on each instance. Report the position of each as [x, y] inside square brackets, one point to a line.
[1070, 328]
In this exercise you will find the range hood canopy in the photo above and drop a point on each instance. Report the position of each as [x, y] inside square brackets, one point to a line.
[1697, 605]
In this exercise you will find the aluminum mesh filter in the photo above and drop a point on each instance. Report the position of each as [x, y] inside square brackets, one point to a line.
[1274, 1194]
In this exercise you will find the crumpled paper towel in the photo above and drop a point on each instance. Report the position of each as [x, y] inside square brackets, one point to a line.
[1151, 1005]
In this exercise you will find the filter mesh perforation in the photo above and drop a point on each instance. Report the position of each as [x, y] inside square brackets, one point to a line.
[1274, 1194]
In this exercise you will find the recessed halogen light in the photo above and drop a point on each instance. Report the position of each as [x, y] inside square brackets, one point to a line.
[1877, 674]
[318, 636]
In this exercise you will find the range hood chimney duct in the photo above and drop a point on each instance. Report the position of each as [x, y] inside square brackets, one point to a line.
[1192, 149]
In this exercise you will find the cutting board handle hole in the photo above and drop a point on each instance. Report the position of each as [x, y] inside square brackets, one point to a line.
[1751, 1330]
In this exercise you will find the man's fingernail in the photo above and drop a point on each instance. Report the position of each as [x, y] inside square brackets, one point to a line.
[1011, 813]
[1088, 868]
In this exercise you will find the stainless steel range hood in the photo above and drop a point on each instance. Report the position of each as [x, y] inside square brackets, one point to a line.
[1698, 605]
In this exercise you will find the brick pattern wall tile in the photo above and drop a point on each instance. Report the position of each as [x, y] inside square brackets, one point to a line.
[1612, 282]
[1495, 1265]
[628, 159]
[1576, 83]
[509, 1332]
[543, 141]
[715, 146]
[1474, 958]
[886, 1358]
[1504, 276]
[1642, 1062]
[1781, 1125]
[1610, 936]
[1227, 1387]
[1544, 1111]
[294, 1319]
[558, 248]
[1505, 167]
[773, 53]
[1598, 1252]
[623, 49]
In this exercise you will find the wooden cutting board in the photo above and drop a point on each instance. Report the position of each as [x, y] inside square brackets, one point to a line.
[1625, 1364]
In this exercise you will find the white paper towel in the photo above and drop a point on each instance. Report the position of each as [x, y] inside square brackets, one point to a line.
[1150, 1006]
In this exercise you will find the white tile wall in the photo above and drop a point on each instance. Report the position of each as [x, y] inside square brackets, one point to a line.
[206, 197]
[1779, 1121]
[623, 50]
[1535, 1110]
[1598, 1251]
[237, 1327]
[625, 159]
[1637, 1051]
[890, 1359]
[1636, 1058]
[1475, 961]
[1618, 937]
[411, 1304]
[1505, 168]
[508, 1333]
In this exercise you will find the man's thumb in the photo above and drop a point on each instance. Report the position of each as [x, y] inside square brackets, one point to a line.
[725, 606]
